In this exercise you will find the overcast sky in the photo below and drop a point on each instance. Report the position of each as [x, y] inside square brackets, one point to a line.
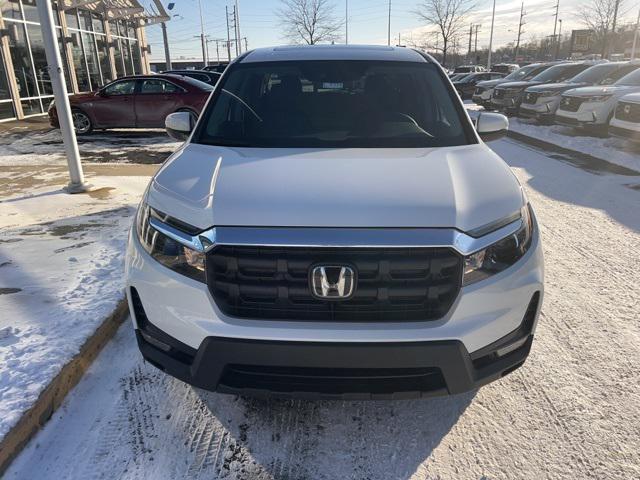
[367, 22]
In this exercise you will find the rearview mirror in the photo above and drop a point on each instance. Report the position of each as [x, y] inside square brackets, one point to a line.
[492, 126]
[179, 125]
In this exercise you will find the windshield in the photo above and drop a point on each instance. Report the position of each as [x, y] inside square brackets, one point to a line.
[522, 73]
[334, 104]
[194, 82]
[594, 74]
[560, 73]
[632, 79]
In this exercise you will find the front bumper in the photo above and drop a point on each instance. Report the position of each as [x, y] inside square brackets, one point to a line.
[623, 129]
[200, 345]
[335, 370]
[540, 111]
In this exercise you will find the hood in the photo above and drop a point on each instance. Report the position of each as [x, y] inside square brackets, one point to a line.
[521, 85]
[558, 87]
[604, 90]
[632, 98]
[464, 187]
[490, 83]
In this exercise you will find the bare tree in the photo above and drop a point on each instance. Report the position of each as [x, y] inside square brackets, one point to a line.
[600, 17]
[448, 16]
[309, 21]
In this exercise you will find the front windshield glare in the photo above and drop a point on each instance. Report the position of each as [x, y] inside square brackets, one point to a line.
[631, 80]
[333, 104]
[520, 73]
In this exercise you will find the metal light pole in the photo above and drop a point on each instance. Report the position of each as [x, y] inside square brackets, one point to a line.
[226, 11]
[346, 22]
[635, 38]
[54, 66]
[238, 26]
[202, 39]
[389, 26]
[558, 40]
[167, 55]
[493, 17]
[555, 22]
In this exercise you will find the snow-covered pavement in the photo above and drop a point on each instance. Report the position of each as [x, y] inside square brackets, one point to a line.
[571, 411]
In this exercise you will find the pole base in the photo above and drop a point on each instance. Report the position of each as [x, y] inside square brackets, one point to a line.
[77, 187]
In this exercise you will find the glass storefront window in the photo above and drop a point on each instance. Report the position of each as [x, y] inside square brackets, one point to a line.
[98, 26]
[63, 56]
[39, 59]
[82, 76]
[10, 9]
[22, 67]
[126, 56]
[85, 20]
[72, 18]
[135, 55]
[117, 54]
[6, 110]
[31, 107]
[92, 60]
[5, 94]
[103, 58]
[30, 11]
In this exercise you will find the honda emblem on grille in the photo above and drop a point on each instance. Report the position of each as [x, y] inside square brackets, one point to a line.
[333, 281]
[627, 109]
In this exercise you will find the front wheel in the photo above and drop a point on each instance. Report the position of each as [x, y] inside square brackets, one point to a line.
[81, 122]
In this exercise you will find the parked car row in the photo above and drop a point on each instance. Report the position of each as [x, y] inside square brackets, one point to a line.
[139, 101]
[600, 96]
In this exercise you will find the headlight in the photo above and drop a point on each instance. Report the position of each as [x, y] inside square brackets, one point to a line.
[502, 254]
[599, 98]
[168, 252]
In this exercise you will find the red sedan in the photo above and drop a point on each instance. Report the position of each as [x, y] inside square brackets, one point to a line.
[141, 101]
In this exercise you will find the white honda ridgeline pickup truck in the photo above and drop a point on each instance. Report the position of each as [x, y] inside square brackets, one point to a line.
[335, 227]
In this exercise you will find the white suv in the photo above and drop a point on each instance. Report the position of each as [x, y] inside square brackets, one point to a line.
[334, 226]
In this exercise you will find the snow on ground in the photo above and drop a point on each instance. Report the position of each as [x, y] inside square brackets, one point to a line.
[44, 147]
[570, 413]
[615, 150]
[61, 268]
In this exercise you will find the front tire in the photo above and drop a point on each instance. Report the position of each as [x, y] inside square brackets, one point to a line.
[81, 122]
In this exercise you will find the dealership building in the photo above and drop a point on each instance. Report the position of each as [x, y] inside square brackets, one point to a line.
[98, 41]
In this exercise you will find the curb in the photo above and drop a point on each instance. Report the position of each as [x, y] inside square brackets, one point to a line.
[54, 394]
[579, 159]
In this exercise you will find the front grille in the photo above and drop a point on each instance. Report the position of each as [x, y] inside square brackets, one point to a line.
[393, 284]
[531, 97]
[628, 112]
[334, 381]
[571, 104]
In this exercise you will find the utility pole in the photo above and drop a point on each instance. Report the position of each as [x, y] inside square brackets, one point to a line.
[635, 38]
[346, 22]
[613, 28]
[470, 39]
[226, 11]
[167, 55]
[475, 48]
[399, 42]
[54, 67]
[555, 22]
[493, 18]
[389, 26]
[202, 39]
[235, 31]
[237, 17]
[520, 32]
[559, 39]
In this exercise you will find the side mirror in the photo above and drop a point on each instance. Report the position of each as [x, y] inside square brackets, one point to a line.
[179, 125]
[492, 126]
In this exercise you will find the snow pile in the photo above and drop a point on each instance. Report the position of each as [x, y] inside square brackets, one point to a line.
[61, 274]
